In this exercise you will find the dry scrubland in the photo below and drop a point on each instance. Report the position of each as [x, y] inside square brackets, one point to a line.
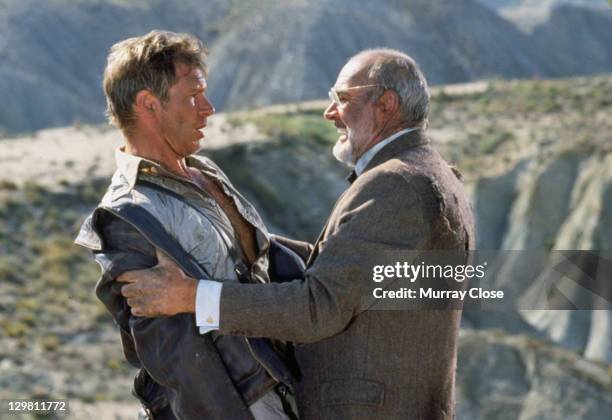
[58, 341]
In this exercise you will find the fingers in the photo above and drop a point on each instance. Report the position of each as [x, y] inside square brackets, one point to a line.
[139, 300]
[136, 307]
[130, 291]
[129, 276]
[138, 312]
[162, 258]
[134, 303]
[134, 276]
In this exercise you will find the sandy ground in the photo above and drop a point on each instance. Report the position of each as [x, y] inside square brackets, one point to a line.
[51, 156]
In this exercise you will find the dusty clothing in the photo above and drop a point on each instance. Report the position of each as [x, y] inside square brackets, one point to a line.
[200, 376]
[359, 363]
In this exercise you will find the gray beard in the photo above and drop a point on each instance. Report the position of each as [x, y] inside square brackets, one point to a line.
[343, 152]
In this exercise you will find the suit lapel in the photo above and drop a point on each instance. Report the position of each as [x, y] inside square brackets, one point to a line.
[315, 249]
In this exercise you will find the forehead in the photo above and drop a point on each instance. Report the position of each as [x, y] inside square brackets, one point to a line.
[189, 75]
[352, 74]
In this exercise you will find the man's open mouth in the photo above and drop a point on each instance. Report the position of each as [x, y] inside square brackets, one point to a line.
[199, 132]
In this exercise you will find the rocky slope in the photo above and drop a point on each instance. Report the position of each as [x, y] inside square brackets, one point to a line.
[542, 19]
[300, 58]
[544, 182]
[52, 53]
[516, 377]
[502, 5]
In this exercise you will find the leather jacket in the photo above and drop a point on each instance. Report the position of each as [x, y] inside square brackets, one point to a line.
[197, 376]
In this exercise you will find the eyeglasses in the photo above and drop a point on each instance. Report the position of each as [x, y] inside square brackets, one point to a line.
[333, 92]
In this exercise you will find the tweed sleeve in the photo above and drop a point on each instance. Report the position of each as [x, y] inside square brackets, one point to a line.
[383, 216]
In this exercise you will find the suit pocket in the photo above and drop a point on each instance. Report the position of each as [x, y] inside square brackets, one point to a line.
[352, 391]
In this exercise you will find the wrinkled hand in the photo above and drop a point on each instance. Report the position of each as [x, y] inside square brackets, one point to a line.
[162, 290]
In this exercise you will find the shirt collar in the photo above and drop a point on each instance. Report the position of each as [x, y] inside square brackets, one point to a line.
[363, 161]
[129, 166]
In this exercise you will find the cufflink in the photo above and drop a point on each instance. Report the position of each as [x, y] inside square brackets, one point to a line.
[210, 320]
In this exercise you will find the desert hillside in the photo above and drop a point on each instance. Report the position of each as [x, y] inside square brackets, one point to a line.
[536, 157]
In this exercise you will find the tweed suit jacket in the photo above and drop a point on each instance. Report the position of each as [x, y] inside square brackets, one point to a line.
[359, 363]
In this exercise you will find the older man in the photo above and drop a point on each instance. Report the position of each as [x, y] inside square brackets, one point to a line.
[357, 363]
[162, 197]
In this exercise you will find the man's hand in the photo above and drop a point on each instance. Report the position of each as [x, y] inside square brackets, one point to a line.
[162, 290]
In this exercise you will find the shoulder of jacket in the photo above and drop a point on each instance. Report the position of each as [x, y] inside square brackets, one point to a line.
[394, 173]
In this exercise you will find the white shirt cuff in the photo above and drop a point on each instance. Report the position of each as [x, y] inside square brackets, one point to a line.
[207, 305]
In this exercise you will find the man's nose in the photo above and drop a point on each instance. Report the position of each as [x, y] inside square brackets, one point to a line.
[206, 107]
[331, 111]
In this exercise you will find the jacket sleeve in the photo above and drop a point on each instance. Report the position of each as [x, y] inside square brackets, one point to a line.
[171, 350]
[384, 217]
[303, 249]
[160, 345]
[124, 249]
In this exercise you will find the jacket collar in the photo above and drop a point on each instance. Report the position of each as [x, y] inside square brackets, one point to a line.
[407, 141]
[363, 161]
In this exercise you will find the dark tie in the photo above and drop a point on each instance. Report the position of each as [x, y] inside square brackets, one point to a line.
[352, 177]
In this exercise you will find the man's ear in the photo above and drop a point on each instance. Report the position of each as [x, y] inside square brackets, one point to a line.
[389, 102]
[146, 102]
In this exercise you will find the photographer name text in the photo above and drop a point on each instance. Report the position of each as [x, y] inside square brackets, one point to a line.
[421, 271]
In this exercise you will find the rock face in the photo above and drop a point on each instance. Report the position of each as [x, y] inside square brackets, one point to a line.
[532, 15]
[501, 5]
[262, 52]
[545, 185]
[515, 377]
[561, 203]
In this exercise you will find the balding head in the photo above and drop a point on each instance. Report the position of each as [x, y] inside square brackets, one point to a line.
[377, 94]
[397, 71]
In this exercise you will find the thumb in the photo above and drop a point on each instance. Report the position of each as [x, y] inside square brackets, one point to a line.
[162, 258]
